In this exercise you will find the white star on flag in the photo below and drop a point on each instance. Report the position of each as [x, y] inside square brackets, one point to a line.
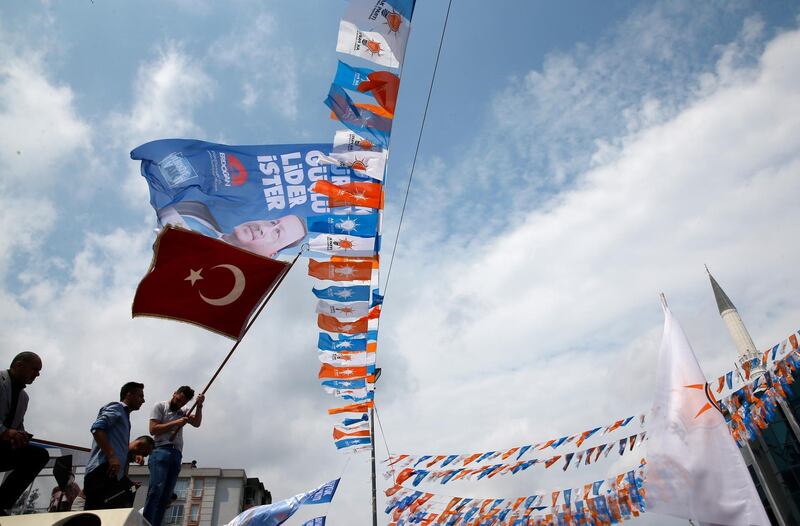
[344, 293]
[194, 275]
[347, 225]
[345, 271]
[348, 327]
[344, 345]
[347, 384]
[347, 371]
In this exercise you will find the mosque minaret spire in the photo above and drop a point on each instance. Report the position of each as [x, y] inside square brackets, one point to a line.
[745, 347]
[741, 337]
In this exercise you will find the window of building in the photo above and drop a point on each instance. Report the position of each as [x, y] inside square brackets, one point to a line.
[197, 488]
[174, 515]
[194, 513]
[182, 489]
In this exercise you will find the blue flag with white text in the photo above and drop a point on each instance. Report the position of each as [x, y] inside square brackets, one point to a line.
[257, 198]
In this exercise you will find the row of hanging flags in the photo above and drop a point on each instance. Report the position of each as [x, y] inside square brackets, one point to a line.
[605, 501]
[348, 283]
[748, 405]
[266, 201]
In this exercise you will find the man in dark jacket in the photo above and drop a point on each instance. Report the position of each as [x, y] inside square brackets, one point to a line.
[17, 455]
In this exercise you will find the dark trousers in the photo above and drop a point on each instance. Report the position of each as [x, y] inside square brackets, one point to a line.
[24, 463]
[104, 493]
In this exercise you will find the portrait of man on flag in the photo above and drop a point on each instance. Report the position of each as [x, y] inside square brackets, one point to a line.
[265, 237]
[257, 198]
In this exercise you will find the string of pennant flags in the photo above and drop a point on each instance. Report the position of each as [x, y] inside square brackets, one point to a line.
[348, 286]
[605, 501]
[587, 456]
[750, 407]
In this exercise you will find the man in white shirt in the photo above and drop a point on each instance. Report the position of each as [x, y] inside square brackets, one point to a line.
[166, 425]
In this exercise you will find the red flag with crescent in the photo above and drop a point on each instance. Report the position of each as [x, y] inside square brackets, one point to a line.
[204, 281]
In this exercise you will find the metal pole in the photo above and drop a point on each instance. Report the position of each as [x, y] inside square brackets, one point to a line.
[374, 482]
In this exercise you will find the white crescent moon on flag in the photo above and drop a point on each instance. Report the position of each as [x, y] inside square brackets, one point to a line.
[236, 291]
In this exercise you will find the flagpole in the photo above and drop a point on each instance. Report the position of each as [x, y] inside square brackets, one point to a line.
[247, 328]
[372, 455]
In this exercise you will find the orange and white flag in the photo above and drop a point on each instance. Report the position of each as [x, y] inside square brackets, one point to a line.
[694, 469]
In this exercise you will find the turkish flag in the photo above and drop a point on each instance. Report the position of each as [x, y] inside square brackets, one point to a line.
[200, 280]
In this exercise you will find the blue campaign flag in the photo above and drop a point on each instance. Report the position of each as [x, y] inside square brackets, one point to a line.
[343, 294]
[365, 123]
[277, 513]
[370, 396]
[343, 343]
[349, 77]
[350, 442]
[359, 225]
[351, 421]
[321, 495]
[316, 521]
[268, 515]
[449, 459]
[358, 383]
[485, 456]
[404, 7]
[258, 198]
[450, 475]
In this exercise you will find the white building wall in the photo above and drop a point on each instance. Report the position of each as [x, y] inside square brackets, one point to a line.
[228, 500]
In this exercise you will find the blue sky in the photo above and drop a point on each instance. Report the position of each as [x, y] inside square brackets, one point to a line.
[578, 158]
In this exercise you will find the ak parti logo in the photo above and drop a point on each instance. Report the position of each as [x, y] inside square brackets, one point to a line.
[393, 19]
[233, 171]
[373, 46]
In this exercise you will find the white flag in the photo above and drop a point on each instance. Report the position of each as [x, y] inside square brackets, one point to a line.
[341, 245]
[355, 309]
[375, 31]
[347, 359]
[694, 469]
[371, 164]
[347, 141]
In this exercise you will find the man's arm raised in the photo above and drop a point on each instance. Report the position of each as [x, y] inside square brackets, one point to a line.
[196, 418]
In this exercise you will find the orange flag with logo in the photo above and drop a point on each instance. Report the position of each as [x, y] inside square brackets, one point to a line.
[351, 194]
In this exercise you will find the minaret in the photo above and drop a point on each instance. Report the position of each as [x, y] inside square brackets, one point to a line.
[741, 338]
[757, 454]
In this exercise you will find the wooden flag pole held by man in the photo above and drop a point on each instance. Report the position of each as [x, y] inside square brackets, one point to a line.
[207, 282]
[247, 328]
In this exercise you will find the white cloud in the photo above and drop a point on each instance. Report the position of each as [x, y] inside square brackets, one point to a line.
[168, 90]
[270, 66]
[39, 127]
